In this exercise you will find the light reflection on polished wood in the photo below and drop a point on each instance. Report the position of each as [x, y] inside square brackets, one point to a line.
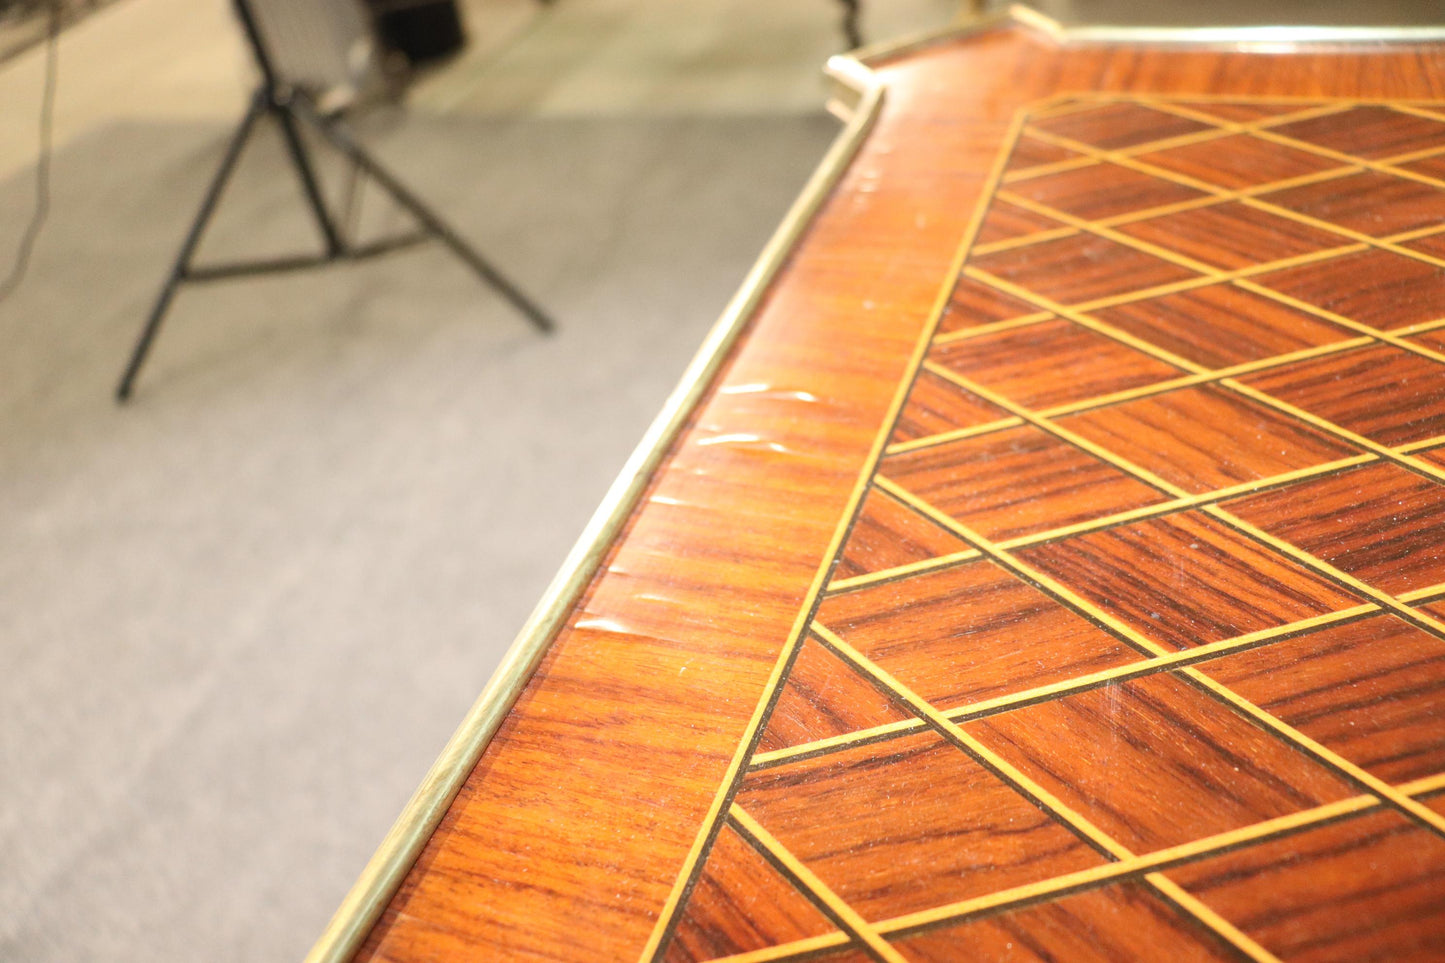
[955, 622]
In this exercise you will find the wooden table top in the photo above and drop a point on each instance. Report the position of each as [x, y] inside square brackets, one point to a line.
[1045, 560]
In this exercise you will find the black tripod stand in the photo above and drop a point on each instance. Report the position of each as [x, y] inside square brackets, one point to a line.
[290, 108]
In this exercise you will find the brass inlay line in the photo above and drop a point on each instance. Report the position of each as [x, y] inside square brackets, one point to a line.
[1046, 801]
[1118, 237]
[1213, 197]
[981, 753]
[1073, 438]
[1160, 860]
[901, 571]
[842, 152]
[1157, 659]
[1023, 240]
[1421, 445]
[1408, 107]
[1184, 381]
[1411, 807]
[1022, 321]
[1119, 673]
[706, 835]
[1246, 197]
[1050, 585]
[1143, 214]
[1125, 633]
[1333, 106]
[1183, 657]
[728, 786]
[1215, 276]
[1416, 155]
[1417, 465]
[1246, 367]
[1384, 599]
[1363, 238]
[854, 924]
[1072, 105]
[818, 747]
[1384, 167]
[1093, 98]
[1385, 337]
[1219, 128]
[1177, 895]
[1084, 320]
[1130, 394]
[957, 434]
[788, 951]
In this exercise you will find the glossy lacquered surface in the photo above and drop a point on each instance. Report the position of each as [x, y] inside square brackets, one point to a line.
[1093, 611]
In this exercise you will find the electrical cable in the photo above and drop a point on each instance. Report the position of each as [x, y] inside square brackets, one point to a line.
[42, 161]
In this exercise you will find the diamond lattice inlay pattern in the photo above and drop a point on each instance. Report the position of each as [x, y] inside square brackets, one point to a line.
[1136, 633]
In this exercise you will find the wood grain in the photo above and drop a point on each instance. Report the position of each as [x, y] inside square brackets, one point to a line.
[1370, 690]
[1017, 482]
[1386, 394]
[1124, 922]
[1156, 763]
[594, 826]
[1369, 888]
[969, 633]
[1053, 362]
[1395, 536]
[1207, 438]
[1221, 325]
[887, 844]
[1186, 579]
[822, 698]
[742, 903]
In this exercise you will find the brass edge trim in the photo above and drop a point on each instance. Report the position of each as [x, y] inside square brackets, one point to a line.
[1263, 36]
[403, 843]
[1254, 35]
[1023, 15]
[966, 25]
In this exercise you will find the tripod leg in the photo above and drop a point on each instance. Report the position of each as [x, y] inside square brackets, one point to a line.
[309, 183]
[181, 265]
[852, 34]
[344, 143]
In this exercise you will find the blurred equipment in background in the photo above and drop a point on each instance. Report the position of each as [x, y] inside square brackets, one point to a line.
[26, 247]
[314, 57]
[422, 30]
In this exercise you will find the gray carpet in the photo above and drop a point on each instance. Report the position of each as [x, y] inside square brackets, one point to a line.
[240, 617]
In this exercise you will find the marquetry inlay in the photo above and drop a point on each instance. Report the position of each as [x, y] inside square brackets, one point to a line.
[1134, 646]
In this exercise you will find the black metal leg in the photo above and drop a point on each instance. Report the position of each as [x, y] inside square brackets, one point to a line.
[309, 184]
[435, 225]
[188, 247]
[851, 31]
